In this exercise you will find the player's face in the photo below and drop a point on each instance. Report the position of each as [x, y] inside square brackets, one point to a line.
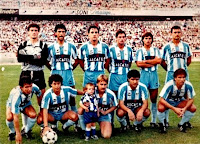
[176, 34]
[180, 79]
[26, 89]
[121, 39]
[33, 33]
[93, 34]
[90, 90]
[102, 85]
[133, 82]
[60, 33]
[147, 41]
[56, 86]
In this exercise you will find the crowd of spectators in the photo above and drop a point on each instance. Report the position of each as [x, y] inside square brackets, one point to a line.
[100, 4]
[14, 32]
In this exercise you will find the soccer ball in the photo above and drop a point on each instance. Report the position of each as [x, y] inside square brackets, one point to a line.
[50, 137]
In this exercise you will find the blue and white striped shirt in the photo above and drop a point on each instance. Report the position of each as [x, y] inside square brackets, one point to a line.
[92, 99]
[17, 100]
[107, 101]
[120, 59]
[143, 54]
[58, 103]
[61, 56]
[170, 90]
[94, 58]
[126, 93]
[176, 56]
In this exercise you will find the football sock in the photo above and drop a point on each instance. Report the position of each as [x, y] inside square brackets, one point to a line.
[93, 130]
[24, 120]
[68, 123]
[186, 117]
[30, 124]
[122, 120]
[161, 116]
[10, 125]
[87, 132]
[167, 115]
[82, 122]
[153, 112]
[74, 108]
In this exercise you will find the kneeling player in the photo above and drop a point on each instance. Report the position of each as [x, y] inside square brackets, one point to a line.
[177, 95]
[20, 101]
[55, 104]
[133, 100]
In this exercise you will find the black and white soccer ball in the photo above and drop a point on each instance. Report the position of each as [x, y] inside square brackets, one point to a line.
[50, 137]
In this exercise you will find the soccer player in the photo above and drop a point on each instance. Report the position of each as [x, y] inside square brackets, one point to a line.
[176, 54]
[61, 54]
[107, 103]
[121, 60]
[91, 112]
[55, 104]
[148, 58]
[133, 100]
[20, 101]
[93, 56]
[177, 95]
[33, 55]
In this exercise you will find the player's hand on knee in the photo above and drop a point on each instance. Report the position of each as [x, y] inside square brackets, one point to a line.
[139, 115]
[131, 115]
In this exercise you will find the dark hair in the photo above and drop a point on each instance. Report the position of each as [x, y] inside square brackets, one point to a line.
[175, 27]
[180, 71]
[120, 32]
[93, 26]
[33, 25]
[56, 78]
[146, 35]
[25, 80]
[133, 73]
[60, 26]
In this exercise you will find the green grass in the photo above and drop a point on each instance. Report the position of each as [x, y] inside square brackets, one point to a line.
[9, 79]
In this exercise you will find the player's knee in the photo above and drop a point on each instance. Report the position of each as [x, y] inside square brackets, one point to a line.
[80, 111]
[147, 113]
[32, 115]
[193, 108]
[9, 117]
[74, 117]
[161, 108]
[106, 135]
[120, 113]
[39, 120]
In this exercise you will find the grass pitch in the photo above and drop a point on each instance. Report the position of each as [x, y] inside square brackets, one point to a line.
[9, 79]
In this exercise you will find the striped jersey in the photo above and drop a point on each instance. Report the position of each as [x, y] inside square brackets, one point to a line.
[61, 56]
[58, 103]
[170, 91]
[107, 101]
[94, 57]
[17, 100]
[176, 56]
[143, 54]
[92, 99]
[126, 93]
[120, 59]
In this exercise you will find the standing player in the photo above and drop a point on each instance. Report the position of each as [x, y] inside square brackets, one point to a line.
[55, 104]
[61, 54]
[176, 54]
[177, 95]
[121, 60]
[20, 101]
[148, 58]
[33, 55]
[93, 57]
[133, 100]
